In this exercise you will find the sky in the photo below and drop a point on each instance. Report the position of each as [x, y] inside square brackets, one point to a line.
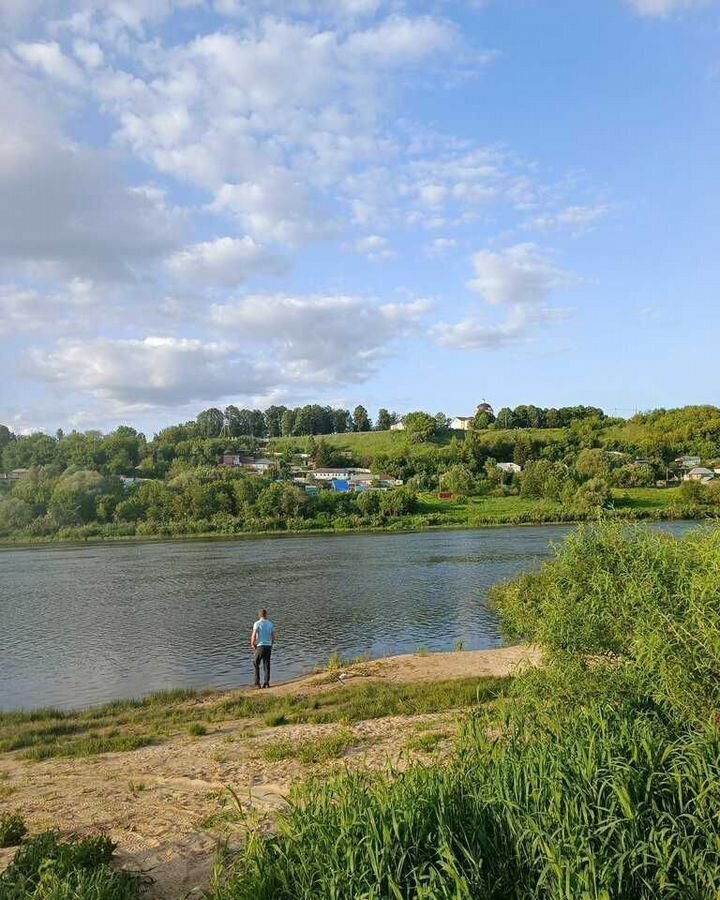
[411, 205]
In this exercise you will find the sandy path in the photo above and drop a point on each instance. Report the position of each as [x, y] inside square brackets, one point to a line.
[167, 805]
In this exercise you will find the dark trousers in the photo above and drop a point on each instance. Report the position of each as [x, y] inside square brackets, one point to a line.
[262, 655]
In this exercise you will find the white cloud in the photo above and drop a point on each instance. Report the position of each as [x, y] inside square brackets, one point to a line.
[24, 309]
[225, 260]
[89, 53]
[71, 212]
[516, 276]
[277, 208]
[400, 41]
[578, 219]
[440, 246]
[270, 118]
[520, 280]
[154, 371]
[51, 61]
[321, 339]
[663, 8]
[374, 246]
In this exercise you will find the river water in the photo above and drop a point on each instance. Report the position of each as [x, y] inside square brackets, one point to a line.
[88, 624]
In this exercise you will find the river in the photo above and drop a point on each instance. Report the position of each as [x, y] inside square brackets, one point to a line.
[82, 625]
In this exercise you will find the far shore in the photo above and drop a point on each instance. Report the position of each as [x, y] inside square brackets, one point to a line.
[9, 543]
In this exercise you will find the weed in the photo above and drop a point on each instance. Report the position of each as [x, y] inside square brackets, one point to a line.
[12, 829]
[426, 743]
[197, 729]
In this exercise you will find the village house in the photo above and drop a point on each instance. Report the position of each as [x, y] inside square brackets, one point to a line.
[509, 468]
[688, 462]
[699, 474]
[398, 426]
[343, 474]
[15, 475]
[461, 423]
[235, 461]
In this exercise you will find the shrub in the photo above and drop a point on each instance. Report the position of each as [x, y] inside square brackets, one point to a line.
[12, 829]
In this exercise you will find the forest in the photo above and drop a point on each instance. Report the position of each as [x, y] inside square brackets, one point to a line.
[122, 484]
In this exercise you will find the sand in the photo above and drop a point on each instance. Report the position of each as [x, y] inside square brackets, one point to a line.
[168, 806]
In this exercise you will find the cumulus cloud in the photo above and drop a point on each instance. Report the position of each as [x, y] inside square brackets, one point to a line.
[440, 246]
[71, 211]
[663, 8]
[24, 309]
[321, 339]
[270, 118]
[374, 246]
[518, 279]
[49, 59]
[278, 207]
[576, 218]
[154, 371]
[226, 261]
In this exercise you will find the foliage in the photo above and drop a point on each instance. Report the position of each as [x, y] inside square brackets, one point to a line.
[598, 777]
[48, 868]
[12, 829]
[420, 426]
[75, 485]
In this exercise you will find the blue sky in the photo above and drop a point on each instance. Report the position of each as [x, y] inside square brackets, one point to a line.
[403, 204]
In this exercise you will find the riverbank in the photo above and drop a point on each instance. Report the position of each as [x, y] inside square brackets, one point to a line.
[161, 792]
[632, 505]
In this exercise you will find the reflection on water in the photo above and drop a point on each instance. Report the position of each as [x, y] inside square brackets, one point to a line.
[85, 625]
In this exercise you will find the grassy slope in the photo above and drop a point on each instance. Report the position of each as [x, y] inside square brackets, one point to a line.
[370, 443]
[129, 724]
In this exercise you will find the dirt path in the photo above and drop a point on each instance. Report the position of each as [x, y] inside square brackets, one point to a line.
[168, 806]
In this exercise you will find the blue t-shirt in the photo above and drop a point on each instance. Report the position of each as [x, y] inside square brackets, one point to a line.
[264, 629]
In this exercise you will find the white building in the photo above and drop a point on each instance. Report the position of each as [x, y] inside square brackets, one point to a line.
[699, 474]
[509, 468]
[398, 426]
[688, 462]
[461, 423]
[339, 474]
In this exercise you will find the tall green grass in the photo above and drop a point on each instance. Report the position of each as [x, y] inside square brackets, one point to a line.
[597, 779]
[48, 868]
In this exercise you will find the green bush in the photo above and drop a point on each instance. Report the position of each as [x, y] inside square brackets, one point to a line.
[12, 829]
[48, 868]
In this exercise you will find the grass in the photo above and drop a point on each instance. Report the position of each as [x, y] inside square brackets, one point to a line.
[426, 743]
[12, 829]
[311, 751]
[128, 725]
[597, 778]
[359, 702]
[48, 868]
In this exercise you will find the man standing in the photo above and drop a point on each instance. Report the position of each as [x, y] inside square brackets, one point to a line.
[261, 641]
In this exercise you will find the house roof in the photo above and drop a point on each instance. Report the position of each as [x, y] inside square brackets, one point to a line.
[699, 470]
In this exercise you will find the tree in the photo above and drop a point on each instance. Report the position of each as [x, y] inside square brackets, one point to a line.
[398, 502]
[73, 499]
[594, 494]
[323, 454]
[369, 502]
[273, 420]
[287, 422]
[210, 422]
[442, 421]
[504, 418]
[5, 436]
[14, 515]
[459, 480]
[361, 419]
[384, 420]
[342, 421]
[420, 426]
